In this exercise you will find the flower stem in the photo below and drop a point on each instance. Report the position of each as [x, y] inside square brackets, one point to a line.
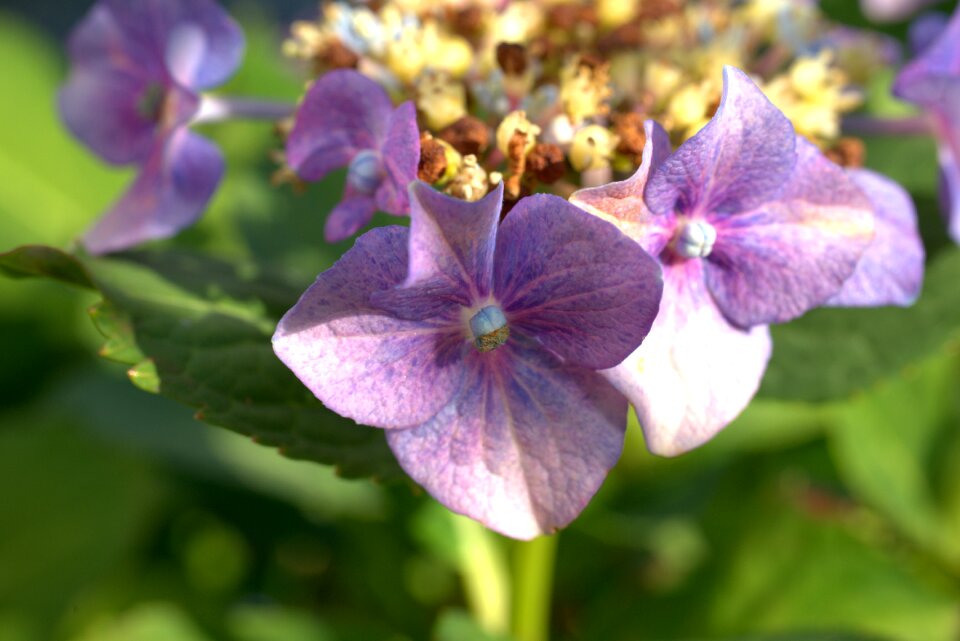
[869, 125]
[532, 588]
[217, 109]
[486, 582]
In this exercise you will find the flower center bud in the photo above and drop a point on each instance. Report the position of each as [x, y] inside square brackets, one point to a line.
[696, 239]
[489, 327]
[151, 103]
[365, 172]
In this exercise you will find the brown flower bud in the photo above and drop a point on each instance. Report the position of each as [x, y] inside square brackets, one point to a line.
[629, 127]
[468, 135]
[336, 55]
[512, 58]
[847, 152]
[546, 162]
[433, 159]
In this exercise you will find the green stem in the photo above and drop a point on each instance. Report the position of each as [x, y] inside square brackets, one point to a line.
[532, 588]
[486, 580]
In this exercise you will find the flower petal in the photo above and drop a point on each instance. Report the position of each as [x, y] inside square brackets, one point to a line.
[575, 282]
[361, 362]
[452, 240]
[102, 109]
[774, 263]
[891, 10]
[349, 216]
[621, 203]
[950, 186]
[170, 193]
[925, 80]
[522, 446]
[694, 372]
[343, 113]
[890, 272]
[196, 42]
[401, 156]
[738, 161]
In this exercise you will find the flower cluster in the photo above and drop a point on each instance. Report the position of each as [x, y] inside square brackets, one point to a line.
[697, 187]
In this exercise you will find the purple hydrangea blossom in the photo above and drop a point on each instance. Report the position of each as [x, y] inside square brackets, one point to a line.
[753, 226]
[476, 346]
[932, 81]
[347, 120]
[137, 70]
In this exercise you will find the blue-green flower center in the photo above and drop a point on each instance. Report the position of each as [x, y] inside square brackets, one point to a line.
[489, 327]
[365, 172]
[696, 239]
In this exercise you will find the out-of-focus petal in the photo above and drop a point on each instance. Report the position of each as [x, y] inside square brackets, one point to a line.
[170, 193]
[196, 42]
[925, 30]
[950, 186]
[452, 240]
[343, 113]
[104, 110]
[522, 446]
[361, 362]
[694, 372]
[892, 10]
[622, 204]
[932, 79]
[738, 161]
[400, 155]
[774, 263]
[575, 282]
[350, 215]
[890, 272]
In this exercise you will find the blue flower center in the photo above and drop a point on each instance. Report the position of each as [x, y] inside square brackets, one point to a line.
[489, 327]
[365, 172]
[696, 239]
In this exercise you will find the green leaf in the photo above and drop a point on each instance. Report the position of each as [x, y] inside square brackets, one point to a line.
[457, 625]
[832, 353]
[204, 328]
[147, 622]
[894, 448]
[39, 260]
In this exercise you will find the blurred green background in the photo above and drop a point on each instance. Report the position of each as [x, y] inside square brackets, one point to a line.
[830, 510]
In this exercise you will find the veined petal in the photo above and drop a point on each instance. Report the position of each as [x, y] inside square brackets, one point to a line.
[773, 263]
[738, 161]
[361, 362]
[890, 272]
[575, 282]
[694, 372]
[343, 113]
[350, 215]
[170, 193]
[401, 156]
[522, 446]
[453, 240]
[622, 204]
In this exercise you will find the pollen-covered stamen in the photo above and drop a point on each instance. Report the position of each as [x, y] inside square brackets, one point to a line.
[489, 327]
[365, 172]
[696, 239]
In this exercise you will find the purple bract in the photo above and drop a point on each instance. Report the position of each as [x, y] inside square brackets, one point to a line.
[137, 68]
[932, 81]
[752, 226]
[347, 120]
[476, 345]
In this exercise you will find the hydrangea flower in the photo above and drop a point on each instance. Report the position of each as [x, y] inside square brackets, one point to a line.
[476, 346]
[137, 70]
[932, 81]
[347, 120]
[753, 225]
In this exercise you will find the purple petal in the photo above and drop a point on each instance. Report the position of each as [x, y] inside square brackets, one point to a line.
[774, 263]
[170, 193]
[575, 282]
[891, 269]
[738, 161]
[522, 446]
[925, 30]
[622, 204]
[892, 10]
[453, 240]
[401, 156]
[102, 109]
[349, 216]
[694, 372]
[362, 363]
[343, 113]
[950, 187]
[194, 41]
[932, 79]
